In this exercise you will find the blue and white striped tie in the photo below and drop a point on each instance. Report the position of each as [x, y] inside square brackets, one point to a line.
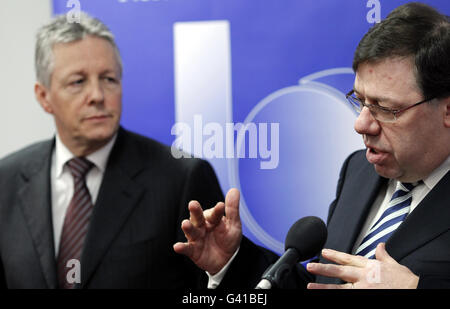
[392, 217]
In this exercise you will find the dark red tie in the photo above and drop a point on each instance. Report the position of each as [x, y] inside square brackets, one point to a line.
[75, 226]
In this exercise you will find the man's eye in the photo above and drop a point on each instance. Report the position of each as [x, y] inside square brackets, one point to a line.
[77, 82]
[375, 104]
[111, 80]
[384, 106]
[360, 99]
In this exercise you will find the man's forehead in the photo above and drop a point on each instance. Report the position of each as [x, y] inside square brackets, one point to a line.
[88, 45]
[84, 55]
[387, 78]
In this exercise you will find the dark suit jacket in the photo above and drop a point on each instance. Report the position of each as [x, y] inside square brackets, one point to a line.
[421, 243]
[137, 218]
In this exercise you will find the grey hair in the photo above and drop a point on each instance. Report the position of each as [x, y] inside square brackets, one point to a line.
[60, 30]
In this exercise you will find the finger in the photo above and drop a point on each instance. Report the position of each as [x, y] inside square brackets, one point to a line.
[232, 205]
[344, 258]
[215, 214]
[196, 214]
[382, 255]
[315, 286]
[346, 273]
[183, 248]
[190, 231]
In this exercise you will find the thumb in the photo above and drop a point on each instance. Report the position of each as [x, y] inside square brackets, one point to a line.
[183, 248]
[381, 254]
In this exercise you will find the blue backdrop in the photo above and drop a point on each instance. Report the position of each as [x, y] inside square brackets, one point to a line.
[286, 62]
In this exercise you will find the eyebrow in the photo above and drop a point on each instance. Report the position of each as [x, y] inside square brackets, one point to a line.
[84, 73]
[379, 99]
[70, 74]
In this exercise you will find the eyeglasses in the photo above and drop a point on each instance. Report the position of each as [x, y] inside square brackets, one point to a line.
[380, 113]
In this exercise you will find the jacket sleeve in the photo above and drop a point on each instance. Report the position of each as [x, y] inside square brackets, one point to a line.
[434, 282]
[2, 277]
[250, 263]
[200, 184]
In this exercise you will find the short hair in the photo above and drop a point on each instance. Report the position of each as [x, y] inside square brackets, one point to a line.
[60, 30]
[412, 30]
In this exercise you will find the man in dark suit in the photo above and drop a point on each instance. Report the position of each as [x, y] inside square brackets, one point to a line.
[389, 226]
[96, 206]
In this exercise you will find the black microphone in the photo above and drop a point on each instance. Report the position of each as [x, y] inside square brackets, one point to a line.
[304, 240]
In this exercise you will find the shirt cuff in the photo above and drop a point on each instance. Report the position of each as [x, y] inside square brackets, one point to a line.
[215, 280]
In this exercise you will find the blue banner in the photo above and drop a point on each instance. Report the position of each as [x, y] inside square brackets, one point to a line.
[254, 86]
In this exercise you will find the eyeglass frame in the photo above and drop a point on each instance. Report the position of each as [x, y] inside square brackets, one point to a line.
[394, 112]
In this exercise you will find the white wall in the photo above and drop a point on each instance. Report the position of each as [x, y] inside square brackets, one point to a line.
[22, 120]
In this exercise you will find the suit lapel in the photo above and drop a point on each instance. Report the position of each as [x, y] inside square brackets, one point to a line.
[427, 221]
[35, 201]
[353, 207]
[358, 194]
[118, 196]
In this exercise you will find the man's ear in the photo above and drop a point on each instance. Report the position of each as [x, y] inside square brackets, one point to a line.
[446, 103]
[42, 96]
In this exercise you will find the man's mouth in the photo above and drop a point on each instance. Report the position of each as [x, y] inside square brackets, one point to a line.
[97, 117]
[376, 156]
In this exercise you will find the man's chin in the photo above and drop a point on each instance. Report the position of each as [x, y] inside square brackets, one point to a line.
[387, 172]
[103, 137]
[100, 136]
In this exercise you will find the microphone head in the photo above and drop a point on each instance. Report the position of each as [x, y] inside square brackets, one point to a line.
[307, 236]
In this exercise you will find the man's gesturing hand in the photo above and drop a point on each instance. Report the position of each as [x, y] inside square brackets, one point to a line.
[212, 235]
[363, 273]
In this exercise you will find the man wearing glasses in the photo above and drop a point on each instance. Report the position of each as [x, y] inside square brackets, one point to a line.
[389, 226]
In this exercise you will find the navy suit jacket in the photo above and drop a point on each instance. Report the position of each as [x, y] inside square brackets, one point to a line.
[421, 243]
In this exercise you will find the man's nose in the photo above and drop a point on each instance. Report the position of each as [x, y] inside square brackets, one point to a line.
[96, 93]
[366, 124]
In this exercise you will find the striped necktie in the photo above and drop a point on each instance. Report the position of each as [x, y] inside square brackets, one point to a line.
[76, 221]
[397, 210]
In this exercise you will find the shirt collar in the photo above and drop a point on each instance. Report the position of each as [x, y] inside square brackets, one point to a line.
[437, 174]
[99, 158]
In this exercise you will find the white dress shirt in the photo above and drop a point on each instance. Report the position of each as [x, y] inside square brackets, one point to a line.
[62, 186]
[214, 280]
[385, 195]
